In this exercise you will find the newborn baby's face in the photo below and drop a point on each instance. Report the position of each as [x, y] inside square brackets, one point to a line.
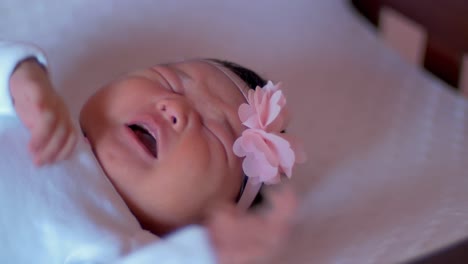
[164, 138]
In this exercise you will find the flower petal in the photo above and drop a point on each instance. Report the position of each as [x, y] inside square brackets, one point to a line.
[255, 166]
[252, 122]
[270, 87]
[238, 149]
[263, 112]
[263, 147]
[274, 107]
[245, 111]
[285, 154]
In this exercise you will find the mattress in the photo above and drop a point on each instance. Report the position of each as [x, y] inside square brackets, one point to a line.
[387, 143]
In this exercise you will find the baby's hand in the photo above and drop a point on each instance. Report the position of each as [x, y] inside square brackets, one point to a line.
[43, 112]
[253, 237]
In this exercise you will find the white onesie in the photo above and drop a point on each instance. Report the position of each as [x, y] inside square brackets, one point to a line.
[69, 212]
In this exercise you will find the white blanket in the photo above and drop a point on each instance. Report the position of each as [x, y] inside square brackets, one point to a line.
[66, 213]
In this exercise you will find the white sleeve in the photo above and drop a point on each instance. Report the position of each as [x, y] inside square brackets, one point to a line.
[188, 245]
[12, 53]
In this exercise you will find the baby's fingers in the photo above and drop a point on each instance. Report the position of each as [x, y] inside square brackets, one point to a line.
[53, 146]
[42, 131]
[69, 145]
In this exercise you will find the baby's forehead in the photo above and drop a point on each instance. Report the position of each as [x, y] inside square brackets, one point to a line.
[203, 70]
[196, 69]
[194, 76]
[192, 70]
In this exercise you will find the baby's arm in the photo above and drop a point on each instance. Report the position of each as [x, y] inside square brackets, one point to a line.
[256, 237]
[23, 77]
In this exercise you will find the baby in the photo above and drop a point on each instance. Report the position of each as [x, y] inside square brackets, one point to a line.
[180, 143]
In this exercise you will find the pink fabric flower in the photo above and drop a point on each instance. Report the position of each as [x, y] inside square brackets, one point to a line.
[268, 154]
[264, 109]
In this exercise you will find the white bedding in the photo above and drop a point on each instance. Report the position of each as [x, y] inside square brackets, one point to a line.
[386, 178]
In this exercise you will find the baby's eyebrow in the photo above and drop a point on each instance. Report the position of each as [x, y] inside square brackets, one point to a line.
[161, 77]
[182, 74]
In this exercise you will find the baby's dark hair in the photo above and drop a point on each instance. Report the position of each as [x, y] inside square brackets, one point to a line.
[252, 79]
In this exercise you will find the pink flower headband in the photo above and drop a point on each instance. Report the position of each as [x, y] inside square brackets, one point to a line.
[268, 154]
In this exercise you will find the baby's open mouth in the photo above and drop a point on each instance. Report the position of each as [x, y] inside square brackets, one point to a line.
[147, 139]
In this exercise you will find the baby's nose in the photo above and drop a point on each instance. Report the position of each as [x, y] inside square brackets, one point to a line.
[175, 111]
